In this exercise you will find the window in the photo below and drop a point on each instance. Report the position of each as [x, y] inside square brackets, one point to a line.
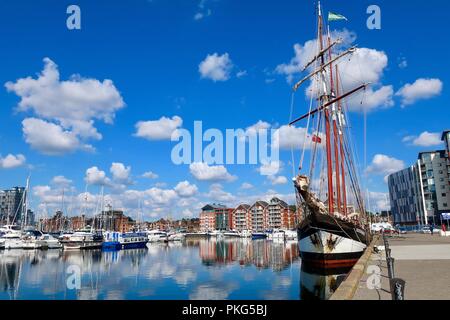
[443, 194]
[445, 205]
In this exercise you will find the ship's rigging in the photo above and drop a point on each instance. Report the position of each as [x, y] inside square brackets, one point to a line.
[335, 181]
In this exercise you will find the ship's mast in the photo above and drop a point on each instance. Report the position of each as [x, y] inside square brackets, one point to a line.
[341, 147]
[324, 99]
[339, 160]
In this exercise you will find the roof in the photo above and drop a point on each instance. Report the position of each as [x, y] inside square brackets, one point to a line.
[261, 203]
[278, 201]
[243, 205]
[213, 206]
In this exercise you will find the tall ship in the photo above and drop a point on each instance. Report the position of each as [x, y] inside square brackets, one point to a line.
[334, 230]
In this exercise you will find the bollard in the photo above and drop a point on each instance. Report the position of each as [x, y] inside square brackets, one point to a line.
[388, 262]
[391, 270]
[388, 253]
[398, 289]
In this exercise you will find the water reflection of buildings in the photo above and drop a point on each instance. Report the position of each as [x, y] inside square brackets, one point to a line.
[262, 254]
[10, 270]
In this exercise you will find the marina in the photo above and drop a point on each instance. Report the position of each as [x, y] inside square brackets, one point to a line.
[194, 269]
[224, 150]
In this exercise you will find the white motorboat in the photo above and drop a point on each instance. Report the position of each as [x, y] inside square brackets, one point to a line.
[278, 235]
[231, 234]
[177, 236]
[51, 242]
[12, 241]
[32, 240]
[156, 236]
[246, 234]
[216, 234]
[81, 240]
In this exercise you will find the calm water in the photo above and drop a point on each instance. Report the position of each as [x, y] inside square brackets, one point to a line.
[199, 269]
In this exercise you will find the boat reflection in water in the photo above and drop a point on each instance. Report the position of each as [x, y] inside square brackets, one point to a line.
[320, 284]
[237, 269]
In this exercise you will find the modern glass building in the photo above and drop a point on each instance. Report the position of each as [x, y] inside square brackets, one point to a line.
[405, 197]
[11, 205]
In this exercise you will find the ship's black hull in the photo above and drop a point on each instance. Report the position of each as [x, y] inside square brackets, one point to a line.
[328, 242]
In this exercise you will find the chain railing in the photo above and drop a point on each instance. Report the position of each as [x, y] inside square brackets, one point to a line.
[397, 285]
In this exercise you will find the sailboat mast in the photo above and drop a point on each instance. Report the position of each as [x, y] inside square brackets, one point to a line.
[335, 130]
[341, 147]
[324, 100]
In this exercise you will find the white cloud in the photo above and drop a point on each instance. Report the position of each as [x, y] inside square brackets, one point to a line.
[61, 181]
[270, 168]
[150, 175]
[363, 66]
[120, 173]
[72, 104]
[241, 73]
[304, 53]
[215, 67]
[12, 161]
[161, 129]
[372, 99]
[402, 63]
[254, 129]
[202, 11]
[419, 90]
[202, 171]
[379, 201]
[425, 139]
[95, 176]
[246, 186]
[161, 196]
[216, 193]
[288, 137]
[50, 138]
[185, 189]
[384, 165]
[278, 180]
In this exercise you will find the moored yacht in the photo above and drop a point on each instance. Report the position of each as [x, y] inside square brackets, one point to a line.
[82, 240]
[11, 235]
[216, 234]
[276, 235]
[156, 236]
[231, 234]
[176, 236]
[246, 234]
[32, 240]
[51, 242]
[259, 235]
[127, 240]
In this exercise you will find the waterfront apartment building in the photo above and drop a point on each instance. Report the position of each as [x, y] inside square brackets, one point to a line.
[259, 212]
[11, 205]
[242, 219]
[421, 193]
[435, 185]
[259, 217]
[216, 217]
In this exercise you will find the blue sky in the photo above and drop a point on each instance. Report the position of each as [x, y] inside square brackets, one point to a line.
[151, 51]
